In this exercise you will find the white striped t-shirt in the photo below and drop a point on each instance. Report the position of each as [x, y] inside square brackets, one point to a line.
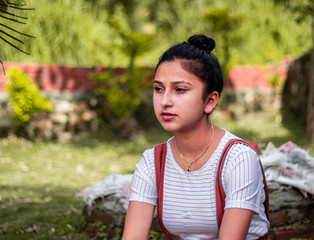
[189, 204]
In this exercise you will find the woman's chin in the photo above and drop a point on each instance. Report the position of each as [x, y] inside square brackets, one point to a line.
[167, 127]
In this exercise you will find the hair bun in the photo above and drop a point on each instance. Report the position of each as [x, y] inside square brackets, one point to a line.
[202, 42]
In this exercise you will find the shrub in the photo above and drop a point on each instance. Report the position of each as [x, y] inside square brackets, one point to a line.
[24, 97]
[276, 82]
[123, 92]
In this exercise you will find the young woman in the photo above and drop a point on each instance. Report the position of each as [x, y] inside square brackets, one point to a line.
[187, 86]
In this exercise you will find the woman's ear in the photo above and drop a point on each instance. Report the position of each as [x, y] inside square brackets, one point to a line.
[211, 101]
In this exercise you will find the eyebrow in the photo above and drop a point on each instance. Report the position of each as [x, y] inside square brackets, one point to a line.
[173, 83]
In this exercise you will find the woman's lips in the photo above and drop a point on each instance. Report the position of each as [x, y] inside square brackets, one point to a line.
[167, 116]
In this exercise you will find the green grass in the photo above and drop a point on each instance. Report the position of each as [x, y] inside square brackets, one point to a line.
[39, 180]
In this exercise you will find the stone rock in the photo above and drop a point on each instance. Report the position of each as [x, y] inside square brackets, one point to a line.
[74, 119]
[41, 128]
[124, 127]
[288, 198]
[81, 107]
[87, 116]
[290, 214]
[63, 107]
[59, 118]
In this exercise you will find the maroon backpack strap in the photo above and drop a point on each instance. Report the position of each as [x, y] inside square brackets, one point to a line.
[160, 152]
[220, 194]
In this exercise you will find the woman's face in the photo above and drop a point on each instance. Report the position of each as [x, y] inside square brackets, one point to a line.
[178, 101]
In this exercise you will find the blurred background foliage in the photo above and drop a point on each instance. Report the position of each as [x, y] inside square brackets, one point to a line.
[24, 97]
[123, 92]
[87, 32]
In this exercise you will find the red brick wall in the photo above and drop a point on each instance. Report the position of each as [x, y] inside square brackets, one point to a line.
[57, 78]
[254, 77]
[76, 79]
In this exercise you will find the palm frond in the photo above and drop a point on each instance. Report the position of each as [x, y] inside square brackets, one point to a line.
[24, 34]
[8, 11]
[12, 14]
[15, 6]
[13, 20]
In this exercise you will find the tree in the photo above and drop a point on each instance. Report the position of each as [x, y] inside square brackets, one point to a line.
[225, 26]
[83, 37]
[306, 9]
[310, 117]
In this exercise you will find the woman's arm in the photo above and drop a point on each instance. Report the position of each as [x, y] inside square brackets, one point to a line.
[138, 221]
[235, 224]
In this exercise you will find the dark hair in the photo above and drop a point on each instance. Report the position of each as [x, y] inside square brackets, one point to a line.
[197, 58]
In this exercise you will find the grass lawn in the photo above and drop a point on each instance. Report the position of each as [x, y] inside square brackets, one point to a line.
[39, 180]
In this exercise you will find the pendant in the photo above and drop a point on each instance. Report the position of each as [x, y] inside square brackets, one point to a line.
[189, 167]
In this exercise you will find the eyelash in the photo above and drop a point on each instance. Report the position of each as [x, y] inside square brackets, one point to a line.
[157, 89]
[178, 90]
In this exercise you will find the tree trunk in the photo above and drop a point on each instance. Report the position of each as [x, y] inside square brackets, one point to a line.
[310, 107]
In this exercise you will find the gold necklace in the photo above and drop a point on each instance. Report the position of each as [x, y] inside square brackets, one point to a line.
[190, 164]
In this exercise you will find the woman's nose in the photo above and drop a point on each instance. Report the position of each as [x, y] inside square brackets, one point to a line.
[166, 99]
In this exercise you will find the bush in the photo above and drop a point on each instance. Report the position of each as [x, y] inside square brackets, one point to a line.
[24, 97]
[123, 92]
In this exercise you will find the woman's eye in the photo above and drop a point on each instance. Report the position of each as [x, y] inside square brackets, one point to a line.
[157, 89]
[181, 90]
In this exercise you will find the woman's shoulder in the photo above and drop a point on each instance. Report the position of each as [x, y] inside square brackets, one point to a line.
[230, 136]
[238, 148]
[148, 153]
[148, 156]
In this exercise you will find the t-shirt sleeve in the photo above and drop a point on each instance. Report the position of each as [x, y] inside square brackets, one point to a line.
[143, 187]
[242, 179]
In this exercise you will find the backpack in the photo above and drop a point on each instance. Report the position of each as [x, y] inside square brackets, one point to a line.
[160, 152]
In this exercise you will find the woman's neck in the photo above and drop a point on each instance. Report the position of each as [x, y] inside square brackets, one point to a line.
[192, 150]
[191, 143]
